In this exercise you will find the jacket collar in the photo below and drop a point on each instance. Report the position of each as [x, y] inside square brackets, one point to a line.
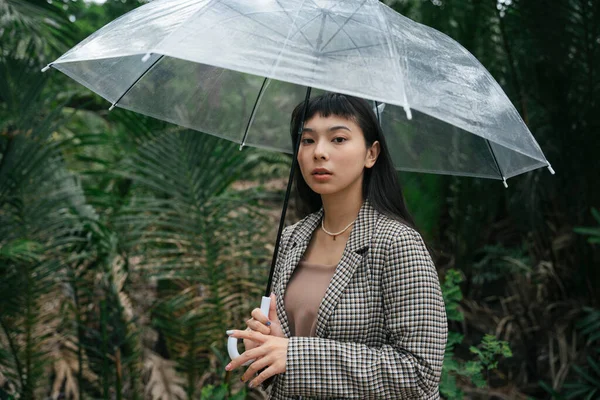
[356, 246]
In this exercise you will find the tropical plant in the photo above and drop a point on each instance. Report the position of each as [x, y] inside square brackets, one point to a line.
[195, 238]
[42, 217]
[34, 29]
[594, 233]
[586, 382]
[157, 214]
[487, 351]
[585, 378]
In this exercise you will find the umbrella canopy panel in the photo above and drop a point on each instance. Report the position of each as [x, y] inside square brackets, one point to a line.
[236, 69]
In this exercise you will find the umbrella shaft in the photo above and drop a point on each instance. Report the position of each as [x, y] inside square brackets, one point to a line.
[287, 192]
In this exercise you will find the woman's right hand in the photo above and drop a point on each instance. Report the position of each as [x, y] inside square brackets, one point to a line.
[259, 321]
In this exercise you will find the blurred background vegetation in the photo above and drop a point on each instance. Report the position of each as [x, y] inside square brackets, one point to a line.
[123, 261]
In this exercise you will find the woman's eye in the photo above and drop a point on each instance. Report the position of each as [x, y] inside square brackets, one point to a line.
[306, 141]
[339, 139]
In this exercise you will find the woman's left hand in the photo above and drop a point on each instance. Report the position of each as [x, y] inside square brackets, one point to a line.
[271, 352]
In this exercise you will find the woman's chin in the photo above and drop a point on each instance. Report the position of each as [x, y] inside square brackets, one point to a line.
[324, 189]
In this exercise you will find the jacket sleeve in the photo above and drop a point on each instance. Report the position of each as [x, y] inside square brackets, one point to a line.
[284, 236]
[409, 365]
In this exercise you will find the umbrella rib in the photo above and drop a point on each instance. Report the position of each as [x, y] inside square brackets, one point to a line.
[194, 14]
[497, 164]
[136, 81]
[370, 27]
[254, 20]
[353, 48]
[392, 48]
[280, 34]
[252, 115]
[274, 67]
[294, 23]
[340, 27]
[293, 45]
[301, 27]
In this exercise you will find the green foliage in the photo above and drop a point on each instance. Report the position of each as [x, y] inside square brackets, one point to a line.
[585, 385]
[491, 348]
[499, 262]
[585, 382]
[452, 294]
[425, 200]
[210, 392]
[42, 214]
[589, 325]
[587, 377]
[73, 273]
[451, 368]
[487, 353]
[182, 235]
[594, 233]
[487, 360]
[21, 250]
[588, 385]
[43, 26]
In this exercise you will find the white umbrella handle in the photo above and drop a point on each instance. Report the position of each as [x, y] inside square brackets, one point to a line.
[232, 342]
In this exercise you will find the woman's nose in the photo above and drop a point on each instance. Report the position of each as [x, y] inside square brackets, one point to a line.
[320, 151]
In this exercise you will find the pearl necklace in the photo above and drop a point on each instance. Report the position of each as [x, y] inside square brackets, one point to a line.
[337, 233]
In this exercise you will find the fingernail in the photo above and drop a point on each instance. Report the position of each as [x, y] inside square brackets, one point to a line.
[230, 332]
[242, 379]
[268, 323]
[251, 385]
[228, 367]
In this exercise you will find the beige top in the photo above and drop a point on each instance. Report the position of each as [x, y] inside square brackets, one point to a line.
[303, 295]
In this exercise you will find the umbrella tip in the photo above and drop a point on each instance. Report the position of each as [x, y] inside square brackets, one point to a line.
[408, 112]
[504, 181]
[111, 107]
[46, 67]
[550, 169]
[146, 57]
[241, 146]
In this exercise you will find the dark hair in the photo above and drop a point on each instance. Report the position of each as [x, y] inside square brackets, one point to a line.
[380, 182]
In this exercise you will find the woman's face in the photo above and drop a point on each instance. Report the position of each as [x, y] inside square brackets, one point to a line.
[338, 145]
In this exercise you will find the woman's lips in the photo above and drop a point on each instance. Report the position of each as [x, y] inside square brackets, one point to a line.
[321, 177]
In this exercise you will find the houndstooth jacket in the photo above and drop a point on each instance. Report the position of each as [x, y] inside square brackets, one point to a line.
[381, 327]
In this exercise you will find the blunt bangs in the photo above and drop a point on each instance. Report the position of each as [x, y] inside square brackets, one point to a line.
[325, 106]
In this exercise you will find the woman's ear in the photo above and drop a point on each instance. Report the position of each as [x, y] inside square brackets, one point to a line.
[372, 154]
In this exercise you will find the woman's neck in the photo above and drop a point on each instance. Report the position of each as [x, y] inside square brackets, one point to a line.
[340, 209]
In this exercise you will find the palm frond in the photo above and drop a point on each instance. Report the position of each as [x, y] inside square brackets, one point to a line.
[163, 382]
[38, 23]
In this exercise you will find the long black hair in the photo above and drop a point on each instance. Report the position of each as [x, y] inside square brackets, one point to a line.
[380, 182]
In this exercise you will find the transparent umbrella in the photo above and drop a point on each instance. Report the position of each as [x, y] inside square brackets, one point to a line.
[237, 68]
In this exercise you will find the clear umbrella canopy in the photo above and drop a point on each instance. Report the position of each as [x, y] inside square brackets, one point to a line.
[237, 68]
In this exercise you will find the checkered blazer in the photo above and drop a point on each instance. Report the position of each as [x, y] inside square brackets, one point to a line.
[381, 327]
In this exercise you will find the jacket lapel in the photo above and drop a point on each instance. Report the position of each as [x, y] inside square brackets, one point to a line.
[360, 237]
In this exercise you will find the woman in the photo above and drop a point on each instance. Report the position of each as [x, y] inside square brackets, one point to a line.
[356, 309]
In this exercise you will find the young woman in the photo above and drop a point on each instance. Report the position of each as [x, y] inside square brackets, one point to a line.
[356, 310]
